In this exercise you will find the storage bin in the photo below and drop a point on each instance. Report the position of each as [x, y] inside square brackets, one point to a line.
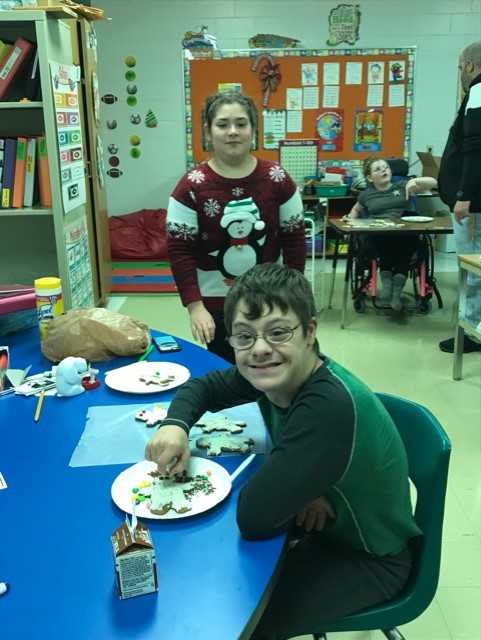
[331, 190]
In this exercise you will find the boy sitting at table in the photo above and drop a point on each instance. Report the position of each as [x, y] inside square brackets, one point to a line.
[337, 467]
[389, 200]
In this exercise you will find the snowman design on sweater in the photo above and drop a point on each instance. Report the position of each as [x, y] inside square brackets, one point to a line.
[240, 250]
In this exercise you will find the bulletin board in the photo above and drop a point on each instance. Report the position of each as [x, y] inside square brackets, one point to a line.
[359, 90]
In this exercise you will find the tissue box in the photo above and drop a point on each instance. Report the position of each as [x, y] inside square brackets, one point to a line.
[134, 557]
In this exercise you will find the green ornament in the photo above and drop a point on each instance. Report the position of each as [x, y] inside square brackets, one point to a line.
[130, 75]
[131, 101]
[130, 61]
[134, 140]
[135, 152]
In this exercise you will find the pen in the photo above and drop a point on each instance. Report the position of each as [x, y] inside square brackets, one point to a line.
[146, 352]
[38, 408]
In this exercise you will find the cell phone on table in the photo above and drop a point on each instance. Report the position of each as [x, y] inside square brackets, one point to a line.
[166, 343]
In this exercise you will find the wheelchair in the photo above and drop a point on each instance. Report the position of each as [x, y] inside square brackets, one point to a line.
[363, 274]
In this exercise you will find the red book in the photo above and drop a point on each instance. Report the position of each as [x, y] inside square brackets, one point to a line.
[12, 62]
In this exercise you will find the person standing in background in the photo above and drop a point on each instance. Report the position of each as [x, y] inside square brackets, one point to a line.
[459, 183]
[228, 214]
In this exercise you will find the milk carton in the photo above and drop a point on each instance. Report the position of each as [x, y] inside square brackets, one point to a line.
[134, 556]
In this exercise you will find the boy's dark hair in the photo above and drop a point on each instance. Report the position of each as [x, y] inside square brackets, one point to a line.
[217, 100]
[271, 285]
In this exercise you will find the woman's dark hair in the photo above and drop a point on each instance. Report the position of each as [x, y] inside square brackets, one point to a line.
[217, 100]
[271, 285]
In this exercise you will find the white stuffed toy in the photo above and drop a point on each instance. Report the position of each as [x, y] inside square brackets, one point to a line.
[68, 376]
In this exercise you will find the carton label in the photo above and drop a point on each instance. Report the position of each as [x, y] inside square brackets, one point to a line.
[136, 573]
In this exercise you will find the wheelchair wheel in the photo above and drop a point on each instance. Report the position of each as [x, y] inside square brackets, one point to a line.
[423, 306]
[359, 304]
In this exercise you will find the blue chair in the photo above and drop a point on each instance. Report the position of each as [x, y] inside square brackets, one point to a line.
[428, 449]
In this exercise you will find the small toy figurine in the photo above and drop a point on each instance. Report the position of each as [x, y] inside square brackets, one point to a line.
[69, 374]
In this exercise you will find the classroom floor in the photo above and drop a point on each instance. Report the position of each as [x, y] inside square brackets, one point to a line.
[401, 356]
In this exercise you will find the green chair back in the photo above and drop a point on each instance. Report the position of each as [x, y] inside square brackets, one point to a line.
[428, 449]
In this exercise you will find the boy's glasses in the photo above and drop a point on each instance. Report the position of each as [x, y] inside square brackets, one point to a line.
[246, 340]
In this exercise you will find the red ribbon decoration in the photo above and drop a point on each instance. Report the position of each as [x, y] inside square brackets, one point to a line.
[234, 242]
[269, 75]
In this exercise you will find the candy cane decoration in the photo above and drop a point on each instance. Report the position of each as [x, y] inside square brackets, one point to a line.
[269, 75]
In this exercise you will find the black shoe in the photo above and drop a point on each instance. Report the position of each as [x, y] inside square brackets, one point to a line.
[469, 345]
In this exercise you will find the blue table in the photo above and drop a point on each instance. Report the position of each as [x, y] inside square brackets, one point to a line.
[56, 523]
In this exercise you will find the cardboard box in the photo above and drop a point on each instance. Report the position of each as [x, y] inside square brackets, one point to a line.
[429, 163]
[135, 565]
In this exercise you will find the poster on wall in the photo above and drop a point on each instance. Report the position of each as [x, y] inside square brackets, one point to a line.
[78, 264]
[344, 23]
[69, 134]
[368, 130]
[329, 125]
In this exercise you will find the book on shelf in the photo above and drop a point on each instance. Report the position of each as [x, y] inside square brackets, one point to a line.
[43, 173]
[9, 162]
[24, 174]
[5, 48]
[2, 152]
[11, 63]
[19, 175]
[29, 173]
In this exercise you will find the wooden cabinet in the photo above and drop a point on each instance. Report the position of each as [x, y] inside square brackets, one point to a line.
[39, 241]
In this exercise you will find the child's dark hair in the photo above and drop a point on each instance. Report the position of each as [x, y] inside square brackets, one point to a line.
[217, 100]
[271, 285]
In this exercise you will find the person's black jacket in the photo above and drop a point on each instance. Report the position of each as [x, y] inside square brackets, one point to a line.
[460, 171]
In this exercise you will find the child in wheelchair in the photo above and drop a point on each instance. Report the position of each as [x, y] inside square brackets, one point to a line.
[388, 200]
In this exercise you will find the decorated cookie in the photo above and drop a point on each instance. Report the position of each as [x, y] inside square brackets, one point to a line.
[151, 417]
[177, 492]
[220, 422]
[157, 378]
[224, 443]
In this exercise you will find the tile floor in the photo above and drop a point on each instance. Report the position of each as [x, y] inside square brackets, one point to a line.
[402, 357]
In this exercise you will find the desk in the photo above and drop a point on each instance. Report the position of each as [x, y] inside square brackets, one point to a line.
[56, 523]
[439, 225]
[466, 263]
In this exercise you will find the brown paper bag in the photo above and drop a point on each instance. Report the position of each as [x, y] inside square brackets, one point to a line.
[94, 334]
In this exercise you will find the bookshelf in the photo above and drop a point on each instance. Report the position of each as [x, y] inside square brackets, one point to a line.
[39, 241]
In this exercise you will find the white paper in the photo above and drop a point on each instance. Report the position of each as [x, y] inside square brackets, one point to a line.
[309, 73]
[274, 127]
[353, 72]
[310, 98]
[294, 121]
[293, 99]
[375, 72]
[396, 95]
[330, 96]
[331, 73]
[374, 95]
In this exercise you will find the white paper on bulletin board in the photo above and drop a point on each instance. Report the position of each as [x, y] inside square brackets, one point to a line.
[65, 80]
[78, 264]
[274, 121]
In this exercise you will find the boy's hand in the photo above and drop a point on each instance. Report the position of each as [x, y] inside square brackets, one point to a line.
[169, 448]
[314, 516]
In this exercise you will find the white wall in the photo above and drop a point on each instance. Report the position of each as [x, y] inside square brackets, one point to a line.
[152, 30]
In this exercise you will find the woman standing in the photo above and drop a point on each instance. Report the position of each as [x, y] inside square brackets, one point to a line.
[228, 214]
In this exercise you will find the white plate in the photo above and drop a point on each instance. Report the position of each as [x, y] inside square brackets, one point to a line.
[124, 483]
[127, 378]
[417, 218]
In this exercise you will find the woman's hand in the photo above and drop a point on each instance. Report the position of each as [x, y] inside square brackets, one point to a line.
[169, 448]
[201, 322]
[314, 516]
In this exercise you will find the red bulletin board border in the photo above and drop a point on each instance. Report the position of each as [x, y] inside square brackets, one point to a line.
[203, 75]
